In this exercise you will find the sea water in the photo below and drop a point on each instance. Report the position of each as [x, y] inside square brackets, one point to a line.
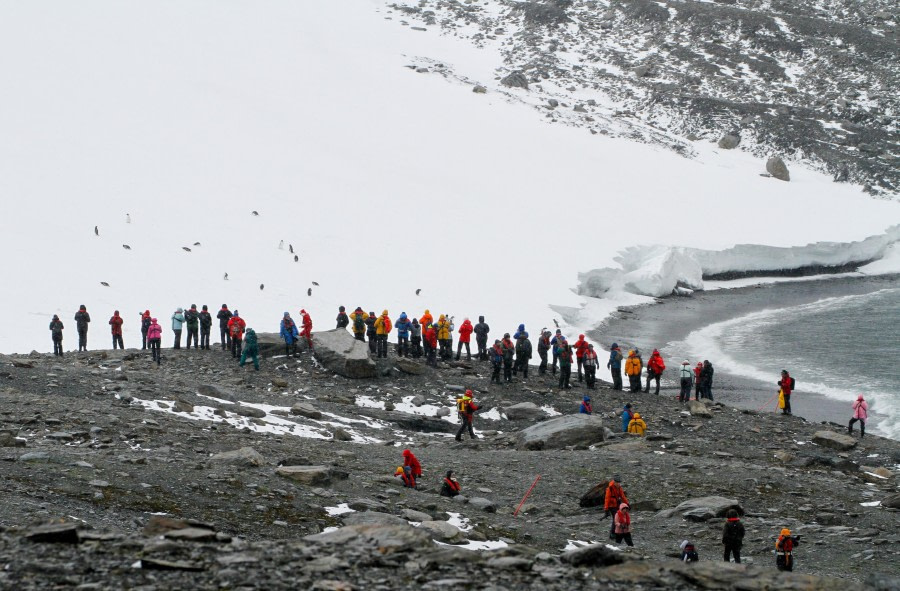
[839, 347]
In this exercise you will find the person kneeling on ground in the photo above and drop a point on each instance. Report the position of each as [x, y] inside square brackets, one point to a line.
[637, 426]
[623, 525]
[586, 408]
[251, 349]
[689, 552]
[404, 472]
[450, 487]
[784, 550]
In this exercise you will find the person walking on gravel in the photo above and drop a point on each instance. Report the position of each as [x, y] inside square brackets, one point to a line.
[622, 525]
[543, 347]
[251, 349]
[784, 550]
[466, 408]
[615, 496]
[687, 379]
[590, 367]
[192, 320]
[205, 327]
[412, 465]
[236, 327]
[290, 334]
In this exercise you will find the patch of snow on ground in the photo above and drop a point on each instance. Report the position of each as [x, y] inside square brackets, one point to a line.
[871, 504]
[576, 544]
[550, 411]
[494, 414]
[458, 521]
[488, 545]
[339, 510]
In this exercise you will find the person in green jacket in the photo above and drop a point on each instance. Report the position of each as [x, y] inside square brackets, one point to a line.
[192, 320]
[251, 348]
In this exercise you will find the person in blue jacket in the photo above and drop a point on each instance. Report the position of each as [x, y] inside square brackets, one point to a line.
[627, 415]
[177, 324]
[586, 406]
[554, 347]
[403, 326]
[614, 365]
[519, 332]
[290, 334]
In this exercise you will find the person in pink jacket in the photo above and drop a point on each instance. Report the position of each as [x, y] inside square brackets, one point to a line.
[860, 413]
[154, 338]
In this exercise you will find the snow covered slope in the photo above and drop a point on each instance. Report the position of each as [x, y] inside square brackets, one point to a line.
[188, 116]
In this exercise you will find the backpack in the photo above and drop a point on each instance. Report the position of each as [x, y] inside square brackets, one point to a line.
[690, 554]
[359, 325]
[461, 405]
[386, 325]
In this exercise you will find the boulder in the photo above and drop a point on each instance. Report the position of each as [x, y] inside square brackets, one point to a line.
[523, 411]
[308, 475]
[249, 411]
[410, 366]
[593, 555]
[183, 406]
[729, 141]
[699, 409]
[778, 169]
[484, 504]
[372, 518]
[515, 80]
[279, 383]
[443, 531]
[561, 432]
[478, 89]
[245, 456]
[160, 524]
[417, 516]
[53, 533]
[305, 409]
[191, 534]
[703, 508]
[366, 505]
[832, 440]
[8, 439]
[892, 501]
[216, 392]
[340, 434]
[271, 344]
[340, 353]
[387, 539]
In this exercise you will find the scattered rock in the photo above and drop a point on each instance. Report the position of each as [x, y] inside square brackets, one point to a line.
[340, 353]
[729, 142]
[593, 555]
[699, 409]
[703, 508]
[308, 475]
[478, 89]
[523, 411]
[778, 169]
[515, 80]
[560, 432]
[245, 456]
[830, 439]
[53, 533]
[443, 531]
[307, 410]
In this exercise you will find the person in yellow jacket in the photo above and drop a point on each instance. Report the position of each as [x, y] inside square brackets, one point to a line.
[382, 330]
[444, 336]
[637, 426]
[633, 366]
[358, 323]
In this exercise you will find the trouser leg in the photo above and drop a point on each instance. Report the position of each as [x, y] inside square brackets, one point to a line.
[580, 365]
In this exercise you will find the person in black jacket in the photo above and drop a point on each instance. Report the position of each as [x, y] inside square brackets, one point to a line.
[481, 331]
[145, 326]
[733, 536]
[343, 321]
[224, 316]
[706, 378]
[371, 331]
[82, 318]
[56, 332]
[192, 319]
[205, 326]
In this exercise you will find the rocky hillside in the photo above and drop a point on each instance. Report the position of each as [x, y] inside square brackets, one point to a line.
[808, 80]
[117, 473]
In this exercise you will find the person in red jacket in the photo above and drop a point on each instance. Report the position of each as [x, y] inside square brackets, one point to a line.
[236, 327]
[465, 334]
[116, 323]
[787, 386]
[306, 322]
[655, 367]
[697, 369]
[412, 462]
[429, 337]
[581, 346]
[405, 475]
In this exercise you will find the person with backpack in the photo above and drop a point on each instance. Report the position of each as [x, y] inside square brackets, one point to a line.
[290, 334]
[698, 383]
[82, 319]
[411, 462]
[613, 499]
[586, 407]
[523, 354]
[56, 333]
[787, 386]
[343, 321]
[415, 337]
[706, 376]
[205, 327]
[686, 380]
[224, 315]
[372, 332]
[382, 330]
[496, 361]
[733, 536]
[689, 552]
[358, 319]
[481, 330]
[154, 340]
[306, 331]
[614, 365]
[426, 318]
[405, 476]
[784, 550]
[403, 327]
[590, 362]
[115, 324]
[563, 354]
[861, 414]
[192, 320]
[465, 408]
[622, 524]
[450, 487]
[543, 348]
[443, 335]
[251, 349]
[633, 366]
[554, 346]
[145, 326]
[509, 350]
[637, 426]
[177, 325]
[429, 339]
[581, 346]
[236, 326]
[655, 368]
[465, 335]
[627, 415]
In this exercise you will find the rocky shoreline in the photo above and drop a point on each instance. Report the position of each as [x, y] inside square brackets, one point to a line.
[121, 474]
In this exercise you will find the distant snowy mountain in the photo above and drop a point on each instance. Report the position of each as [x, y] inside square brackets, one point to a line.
[166, 125]
[812, 81]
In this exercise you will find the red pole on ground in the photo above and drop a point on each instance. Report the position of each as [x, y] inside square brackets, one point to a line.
[767, 402]
[516, 512]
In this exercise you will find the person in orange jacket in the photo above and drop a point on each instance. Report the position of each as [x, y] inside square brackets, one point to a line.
[426, 319]
[465, 334]
[116, 323]
[581, 347]
[615, 496]
[382, 330]
[655, 367]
